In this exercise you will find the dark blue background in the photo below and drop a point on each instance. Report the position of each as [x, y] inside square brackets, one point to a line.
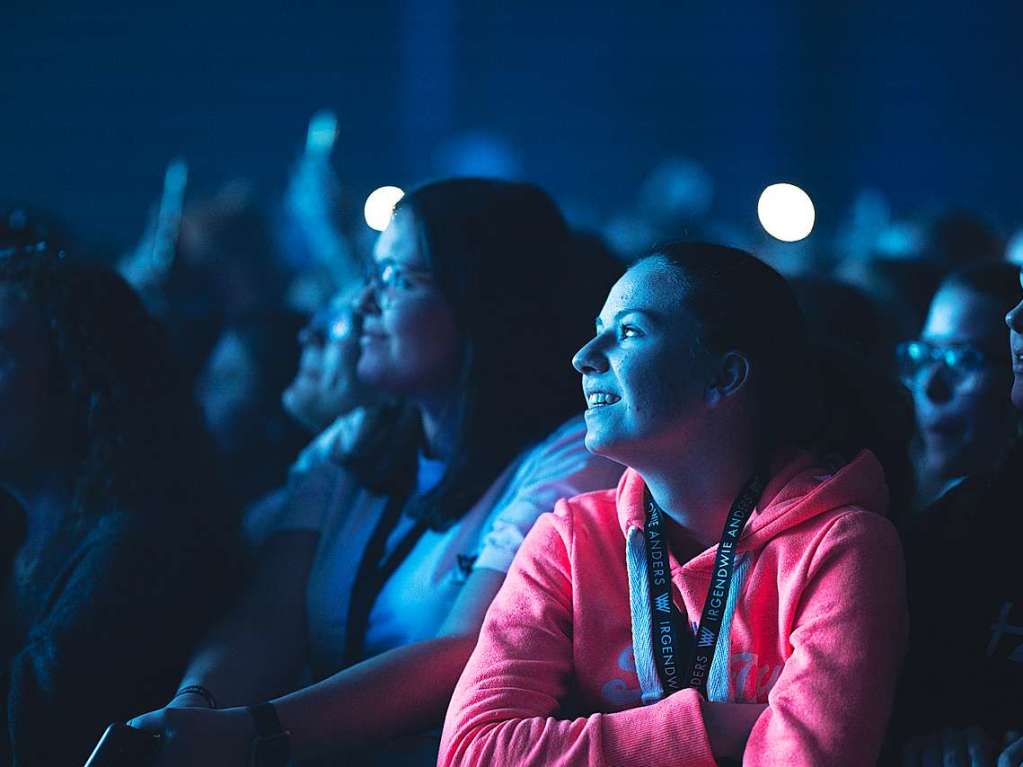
[919, 99]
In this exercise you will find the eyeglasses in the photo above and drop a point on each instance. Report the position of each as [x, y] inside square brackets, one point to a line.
[962, 363]
[390, 281]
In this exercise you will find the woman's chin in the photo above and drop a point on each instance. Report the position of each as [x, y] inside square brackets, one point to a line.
[371, 372]
[1017, 392]
[599, 444]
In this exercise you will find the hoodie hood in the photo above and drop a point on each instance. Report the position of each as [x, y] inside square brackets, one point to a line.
[801, 487]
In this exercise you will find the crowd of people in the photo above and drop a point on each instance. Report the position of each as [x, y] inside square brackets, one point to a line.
[399, 501]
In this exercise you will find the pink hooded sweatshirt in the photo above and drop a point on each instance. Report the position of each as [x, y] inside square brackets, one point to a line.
[815, 626]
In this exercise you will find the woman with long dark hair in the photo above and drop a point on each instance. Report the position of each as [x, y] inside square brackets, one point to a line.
[123, 550]
[378, 576]
[740, 595]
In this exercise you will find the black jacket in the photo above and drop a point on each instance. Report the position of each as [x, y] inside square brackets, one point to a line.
[964, 567]
[104, 632]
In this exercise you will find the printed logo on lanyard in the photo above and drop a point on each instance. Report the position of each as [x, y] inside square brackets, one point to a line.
[667, 620]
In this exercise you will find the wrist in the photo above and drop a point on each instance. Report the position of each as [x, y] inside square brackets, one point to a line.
[188, 700]
[271, 743]
[193, 695]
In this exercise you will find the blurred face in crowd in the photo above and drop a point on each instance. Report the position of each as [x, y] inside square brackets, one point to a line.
[958, 377]
[325, 386]
[1014, 320]
[643, 385]
[410, 343]
[23, 380]
[228, 390]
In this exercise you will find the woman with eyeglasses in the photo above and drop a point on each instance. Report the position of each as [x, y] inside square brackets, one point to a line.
[739, 596]
[961, 696]
[377, 580]
[957, 372]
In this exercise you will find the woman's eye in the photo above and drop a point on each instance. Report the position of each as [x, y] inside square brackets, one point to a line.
[395, 278]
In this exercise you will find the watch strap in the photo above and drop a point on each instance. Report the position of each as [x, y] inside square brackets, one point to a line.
[272, 745]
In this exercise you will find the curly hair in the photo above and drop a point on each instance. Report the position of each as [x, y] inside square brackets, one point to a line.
[136, 437]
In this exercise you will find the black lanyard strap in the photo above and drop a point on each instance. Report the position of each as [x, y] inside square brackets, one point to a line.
[668, 624]
[670, 641]
[374, 570]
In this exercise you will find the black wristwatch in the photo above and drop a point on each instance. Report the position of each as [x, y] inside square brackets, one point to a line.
[272, 745]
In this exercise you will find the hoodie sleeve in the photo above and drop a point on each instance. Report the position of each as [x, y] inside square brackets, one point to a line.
[504, 708]
[833, 698]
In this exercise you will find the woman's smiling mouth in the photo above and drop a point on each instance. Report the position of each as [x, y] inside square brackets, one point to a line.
[600, 399]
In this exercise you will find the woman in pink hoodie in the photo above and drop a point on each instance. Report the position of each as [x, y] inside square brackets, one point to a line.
[741, 593]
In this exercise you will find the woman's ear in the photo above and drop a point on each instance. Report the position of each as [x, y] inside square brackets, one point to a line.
[728, 377]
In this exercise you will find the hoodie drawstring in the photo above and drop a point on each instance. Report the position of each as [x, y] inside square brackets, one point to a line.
[642, 623]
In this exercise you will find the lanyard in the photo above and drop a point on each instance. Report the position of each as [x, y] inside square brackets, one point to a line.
[374, 570]
[668, 624]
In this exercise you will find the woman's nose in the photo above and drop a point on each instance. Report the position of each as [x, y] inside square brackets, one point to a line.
[935, 384]
[367, 302]
[589, 359]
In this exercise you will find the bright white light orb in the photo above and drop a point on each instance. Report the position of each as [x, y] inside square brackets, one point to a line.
[380, 206]
[786, 212]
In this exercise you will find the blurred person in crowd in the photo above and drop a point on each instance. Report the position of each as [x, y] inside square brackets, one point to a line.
[909, 259]
[900, 288]
[1014, 248]
[377, 576]
[216, 266]
[27, 231]
[308, 224]
[842, 315]
[325, 385]
[858, 231]
[676, 197]
[120, 550]
[239, 391]
[958, 239]
[674, 201]
[226, 251]
[961, 697]
[347, 418]
[600, 647]
[958, 371]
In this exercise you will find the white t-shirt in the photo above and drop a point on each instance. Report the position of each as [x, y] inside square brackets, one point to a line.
[418, 596]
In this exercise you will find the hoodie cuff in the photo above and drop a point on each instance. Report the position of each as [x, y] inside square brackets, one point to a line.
[668, 732]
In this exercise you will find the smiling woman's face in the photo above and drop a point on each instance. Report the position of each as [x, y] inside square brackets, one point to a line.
[963, 424]
[410, 343]
[644, 384]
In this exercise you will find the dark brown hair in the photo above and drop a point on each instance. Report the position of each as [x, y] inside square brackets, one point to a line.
[499, 252]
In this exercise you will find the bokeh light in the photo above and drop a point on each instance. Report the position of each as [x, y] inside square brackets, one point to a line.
[380, 206]
[786, 212]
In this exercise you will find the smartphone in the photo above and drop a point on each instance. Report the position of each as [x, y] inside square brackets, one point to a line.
[124, 746]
